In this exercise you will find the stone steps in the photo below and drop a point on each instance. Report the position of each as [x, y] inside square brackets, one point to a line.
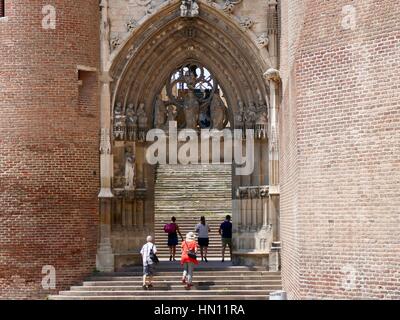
[213, 283]
[189, 192]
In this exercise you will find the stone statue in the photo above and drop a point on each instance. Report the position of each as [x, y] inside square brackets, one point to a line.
[192, 110]
[160, 113]
[131, 122]
[171, 116]
[129, 169]
[142, 116]
[118, 175]
[189, 8]
[250, 115]
[261, 128]
[262, 113]
[239, 117]
[218, 112]
[119, 122]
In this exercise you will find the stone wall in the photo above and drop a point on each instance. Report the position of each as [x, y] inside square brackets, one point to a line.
[340, 147]
[49, 146]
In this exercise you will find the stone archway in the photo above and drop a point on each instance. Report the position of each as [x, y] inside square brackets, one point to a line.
[133, 75]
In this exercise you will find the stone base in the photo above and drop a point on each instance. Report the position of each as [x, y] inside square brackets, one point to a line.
[250, 259]
[123, 260]
[105, 259]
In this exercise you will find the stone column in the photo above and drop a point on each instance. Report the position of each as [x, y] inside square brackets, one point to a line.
[272, 77]
[105, 257]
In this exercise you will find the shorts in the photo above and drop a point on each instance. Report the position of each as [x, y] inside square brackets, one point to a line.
[148, 270]
[227, 242]
[203, 242]
[172, 240]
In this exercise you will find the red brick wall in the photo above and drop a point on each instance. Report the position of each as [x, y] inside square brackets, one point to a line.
[340, 161]
[49, 163]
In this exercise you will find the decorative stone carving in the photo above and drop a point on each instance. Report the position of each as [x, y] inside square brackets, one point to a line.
[105, 143]
[253, 192]
[261, 121]
[218, 112]
[147, 4]
[192, 110]
[189, 8]
[229, 5]
[131, 122]
[262, 40]
[239, 116]
[272, 75]
[115, 42]
[119, 122]
[171, 115]
[246, 23]
[129, 169]
[131, 24]
[119, 177]
[160, 113]
[250, 115]
[143, 121]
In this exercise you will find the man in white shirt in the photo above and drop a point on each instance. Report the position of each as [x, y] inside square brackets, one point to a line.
[148, 264]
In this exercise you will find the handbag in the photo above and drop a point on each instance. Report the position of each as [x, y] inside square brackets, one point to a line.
[153, 256]
[191, 253]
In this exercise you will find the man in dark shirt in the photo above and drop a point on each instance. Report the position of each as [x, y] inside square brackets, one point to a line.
[225, 230]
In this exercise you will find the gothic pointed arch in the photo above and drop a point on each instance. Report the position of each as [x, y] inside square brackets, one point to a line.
[166, 41]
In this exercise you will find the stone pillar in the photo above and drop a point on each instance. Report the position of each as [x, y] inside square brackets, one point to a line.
[273, 79]
[105, 257]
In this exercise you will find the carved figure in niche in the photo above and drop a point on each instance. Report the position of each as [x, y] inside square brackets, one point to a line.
[239, 117]
[129, 169]
[119, 178]
[160, 113]
[171, 116]
[131, 122]
[189, 8]
[142, 116]
[192, 110]
[250, 115]
[262, 113]
[119, 122]
[218, 112]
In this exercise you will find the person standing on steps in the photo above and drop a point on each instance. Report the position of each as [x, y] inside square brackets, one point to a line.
[189, 259]
[202, 230]
[225, 230]
[172, 229]
[148, 263]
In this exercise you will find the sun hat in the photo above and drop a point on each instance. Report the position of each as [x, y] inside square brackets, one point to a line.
[190, 236]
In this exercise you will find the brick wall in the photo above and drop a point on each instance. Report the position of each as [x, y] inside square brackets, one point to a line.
[49, 167]
[340, 161]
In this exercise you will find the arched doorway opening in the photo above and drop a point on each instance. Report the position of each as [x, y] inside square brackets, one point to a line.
[168, 67]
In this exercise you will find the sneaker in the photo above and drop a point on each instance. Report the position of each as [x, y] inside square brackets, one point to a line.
[205, 259]
[149, 286]
[170, 258]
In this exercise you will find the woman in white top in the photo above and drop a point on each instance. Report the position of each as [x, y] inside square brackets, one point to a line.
[202, 230]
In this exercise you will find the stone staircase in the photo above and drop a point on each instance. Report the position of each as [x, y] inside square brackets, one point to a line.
[189, 192]
[186, 192]
[212, 281]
